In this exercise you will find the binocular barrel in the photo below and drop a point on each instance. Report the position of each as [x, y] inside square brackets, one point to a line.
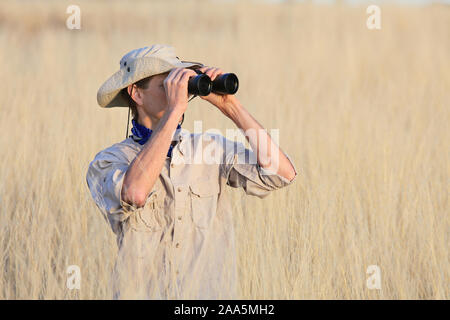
[201, 85]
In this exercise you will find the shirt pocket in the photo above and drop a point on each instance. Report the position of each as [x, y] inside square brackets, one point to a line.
[151, 217]
[203, 197]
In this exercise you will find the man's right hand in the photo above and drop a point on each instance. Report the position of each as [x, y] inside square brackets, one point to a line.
[176, 87]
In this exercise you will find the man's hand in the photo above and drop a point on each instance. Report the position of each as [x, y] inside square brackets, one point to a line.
[222, 102]
[232, 108]
[175, 85]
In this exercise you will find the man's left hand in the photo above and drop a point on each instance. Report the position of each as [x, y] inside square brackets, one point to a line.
[222, 102]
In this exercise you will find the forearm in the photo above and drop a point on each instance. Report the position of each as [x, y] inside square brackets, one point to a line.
[145, 169]
[269, 155]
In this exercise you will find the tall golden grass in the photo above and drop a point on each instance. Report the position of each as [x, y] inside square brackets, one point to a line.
[364, 115]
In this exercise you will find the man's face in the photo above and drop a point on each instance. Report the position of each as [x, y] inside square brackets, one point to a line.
[154, 100]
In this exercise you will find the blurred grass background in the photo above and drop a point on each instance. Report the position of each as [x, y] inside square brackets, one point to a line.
[364, 115]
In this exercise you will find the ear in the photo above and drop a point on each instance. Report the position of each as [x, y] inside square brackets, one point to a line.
[129, 89]
[135, 94]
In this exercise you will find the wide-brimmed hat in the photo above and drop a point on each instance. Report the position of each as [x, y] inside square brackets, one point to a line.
[137, 65]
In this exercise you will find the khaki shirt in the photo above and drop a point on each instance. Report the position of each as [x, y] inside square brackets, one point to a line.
[180, 245]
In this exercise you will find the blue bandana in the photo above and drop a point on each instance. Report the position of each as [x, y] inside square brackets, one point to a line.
[142, 134]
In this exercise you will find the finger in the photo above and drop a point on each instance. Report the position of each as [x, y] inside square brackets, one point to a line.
[178, 75]
[209, 71]
[169, 77]
[216, 72]
[183, 81]
[184, 75]
[173, 73]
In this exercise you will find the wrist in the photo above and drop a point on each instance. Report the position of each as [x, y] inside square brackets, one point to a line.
[233, 110]
[177, 110]
[174, 115]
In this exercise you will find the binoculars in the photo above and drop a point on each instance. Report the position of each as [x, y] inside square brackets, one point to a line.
[201, 85]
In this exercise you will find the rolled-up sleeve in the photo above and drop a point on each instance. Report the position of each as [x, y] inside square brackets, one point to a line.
[105, 178]
[242, 170]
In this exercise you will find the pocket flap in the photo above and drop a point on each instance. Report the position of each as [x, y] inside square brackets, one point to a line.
[205, 188]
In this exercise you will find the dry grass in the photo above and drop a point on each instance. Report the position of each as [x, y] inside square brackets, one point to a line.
[364, 114]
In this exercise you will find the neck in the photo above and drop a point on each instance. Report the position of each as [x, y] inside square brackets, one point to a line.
[150, 122]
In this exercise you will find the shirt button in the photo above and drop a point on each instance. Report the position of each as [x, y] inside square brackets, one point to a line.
[177, 272]
[179, 217]
[177, 245]
[172, 165]
[179, 189]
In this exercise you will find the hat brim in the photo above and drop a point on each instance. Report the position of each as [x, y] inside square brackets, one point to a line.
[108, 96]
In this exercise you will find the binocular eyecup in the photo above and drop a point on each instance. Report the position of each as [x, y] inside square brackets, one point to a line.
[201, 85]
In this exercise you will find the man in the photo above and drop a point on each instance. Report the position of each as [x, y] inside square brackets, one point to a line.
[169, 209]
